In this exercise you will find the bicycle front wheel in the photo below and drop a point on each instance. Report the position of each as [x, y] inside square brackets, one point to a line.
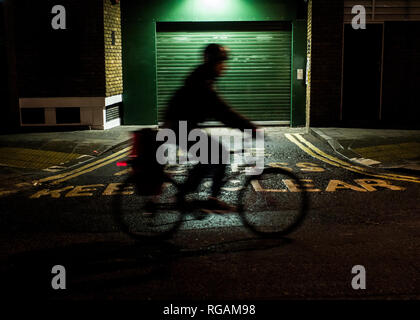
[273, 203]
[142, 216]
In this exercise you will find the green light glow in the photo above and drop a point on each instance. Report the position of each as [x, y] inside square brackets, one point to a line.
[210, 10]
[214, 4]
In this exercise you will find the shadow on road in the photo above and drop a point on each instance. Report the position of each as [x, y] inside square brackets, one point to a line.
[93, 268]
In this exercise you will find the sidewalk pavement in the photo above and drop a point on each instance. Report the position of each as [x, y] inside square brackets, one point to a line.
[397, 150]
[23, 154]
[27, 153]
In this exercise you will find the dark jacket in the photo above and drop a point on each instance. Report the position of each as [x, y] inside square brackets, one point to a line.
[197, 101]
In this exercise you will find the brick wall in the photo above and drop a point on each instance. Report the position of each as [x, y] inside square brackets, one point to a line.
[60, 63]
[308, 66]
[4, 104]
[3, 57]
[113, 52]
[326, 62]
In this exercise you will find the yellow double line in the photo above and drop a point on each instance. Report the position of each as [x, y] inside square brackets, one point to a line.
[84, 169]
[315, 152]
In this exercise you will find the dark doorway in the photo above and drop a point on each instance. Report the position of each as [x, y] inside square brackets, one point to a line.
[3, 66]
[362, 76]
[401, 82]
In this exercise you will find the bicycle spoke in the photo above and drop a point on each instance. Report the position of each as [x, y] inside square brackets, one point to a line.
[268, 207]
[148, 216]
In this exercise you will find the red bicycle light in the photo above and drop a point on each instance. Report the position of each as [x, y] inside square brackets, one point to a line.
[122, 164]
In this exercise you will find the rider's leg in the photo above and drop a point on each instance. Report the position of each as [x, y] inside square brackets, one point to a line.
[219, 169]
[195, 176]
[219, 172]
[217, 154]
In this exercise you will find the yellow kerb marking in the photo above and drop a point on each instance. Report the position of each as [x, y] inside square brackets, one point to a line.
[347, 166]
[62, 175]
[123, 172]
[89, 170]
[309, 167]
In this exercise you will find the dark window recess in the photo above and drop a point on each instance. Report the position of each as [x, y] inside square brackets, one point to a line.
[302, 10]
[67, 115]
[113, 38]
[33, 116]
[112, 112]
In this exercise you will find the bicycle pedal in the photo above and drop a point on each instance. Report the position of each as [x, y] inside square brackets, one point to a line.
[203, 214]
[222, 211]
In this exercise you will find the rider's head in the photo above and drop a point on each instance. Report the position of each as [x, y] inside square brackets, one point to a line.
[216, 56]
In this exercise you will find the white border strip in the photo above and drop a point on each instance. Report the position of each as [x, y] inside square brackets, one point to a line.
[113, 100]
[112, 124]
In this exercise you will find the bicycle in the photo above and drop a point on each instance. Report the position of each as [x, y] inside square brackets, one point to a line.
[263, 202]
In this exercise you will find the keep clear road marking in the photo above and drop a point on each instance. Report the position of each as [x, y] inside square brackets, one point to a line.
[320, 155]
[112, 189]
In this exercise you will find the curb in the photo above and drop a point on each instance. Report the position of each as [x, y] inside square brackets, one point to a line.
[120, 144]
[351, 155]
[334, 144]
[21, 183]
[70, 165]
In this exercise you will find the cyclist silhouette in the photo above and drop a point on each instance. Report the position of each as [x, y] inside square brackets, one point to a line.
[197, 101]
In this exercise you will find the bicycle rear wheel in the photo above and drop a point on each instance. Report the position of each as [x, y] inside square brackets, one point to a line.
[146, 216]
[273, 203]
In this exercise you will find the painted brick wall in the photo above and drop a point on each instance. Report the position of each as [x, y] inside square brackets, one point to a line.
[113, 52]
[326, 62]
[60, 63]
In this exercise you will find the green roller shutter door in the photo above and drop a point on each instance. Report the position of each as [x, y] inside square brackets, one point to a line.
[257, 82]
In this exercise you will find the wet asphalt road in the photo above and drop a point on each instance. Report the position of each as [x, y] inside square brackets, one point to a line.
[355, 218]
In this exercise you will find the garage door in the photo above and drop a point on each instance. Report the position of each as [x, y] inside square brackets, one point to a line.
[257, 82]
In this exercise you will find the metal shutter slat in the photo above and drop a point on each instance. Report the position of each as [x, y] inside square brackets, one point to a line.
[257, 82]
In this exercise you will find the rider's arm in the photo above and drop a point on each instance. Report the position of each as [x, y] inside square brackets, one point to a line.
[225, 114]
